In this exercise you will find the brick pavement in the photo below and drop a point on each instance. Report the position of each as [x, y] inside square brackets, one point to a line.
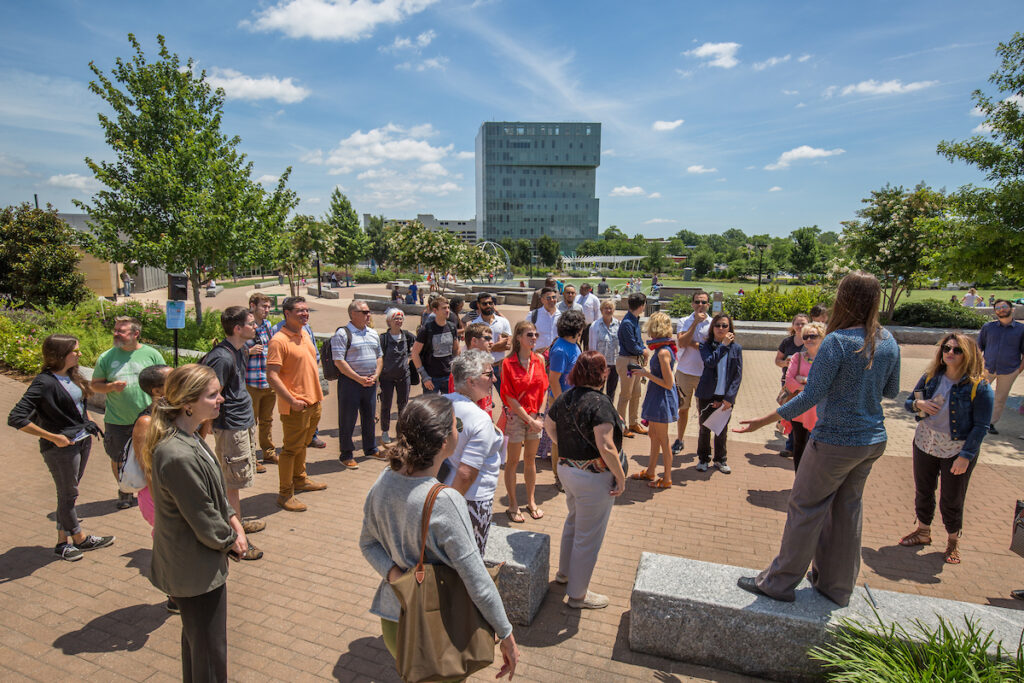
[301, 612]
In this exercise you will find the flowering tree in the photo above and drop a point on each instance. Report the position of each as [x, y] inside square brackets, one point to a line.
[413, 245]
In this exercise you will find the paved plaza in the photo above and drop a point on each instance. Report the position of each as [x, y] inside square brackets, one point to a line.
[300, 613]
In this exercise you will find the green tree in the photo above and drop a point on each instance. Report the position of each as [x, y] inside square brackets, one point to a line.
[702, 261]
[983, 234]
[655, 261]
[178, 195]
[521, 252]
[301, 239]
[348, 242]
[805, 254]
[38, 261]
[613, 233]
[735, 237]
[377, 249]
[891, 240]
[549, 250]
[690, 238]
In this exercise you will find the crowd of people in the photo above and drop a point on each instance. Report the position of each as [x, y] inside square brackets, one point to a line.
[556, 375]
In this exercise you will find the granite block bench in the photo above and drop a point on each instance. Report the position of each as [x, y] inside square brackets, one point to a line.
[693, 611]
[523, 581]
[266, 283]
[214, 291]
[325, 293]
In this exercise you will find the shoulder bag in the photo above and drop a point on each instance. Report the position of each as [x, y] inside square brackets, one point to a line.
[441, 633]
[623, 460]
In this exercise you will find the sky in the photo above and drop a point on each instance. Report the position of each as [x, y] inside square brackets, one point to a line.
[753, 115]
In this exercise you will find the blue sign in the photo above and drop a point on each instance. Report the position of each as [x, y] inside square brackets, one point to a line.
[175, 315]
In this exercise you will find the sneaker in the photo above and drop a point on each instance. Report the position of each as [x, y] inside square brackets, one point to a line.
[385, 438]
[172, 606]
[94, 542]
[124, 500]
[992, 429]
[677, 447]
[317, 442]
[67, 551]
[591, 601]
[702, 467]
[723, 468]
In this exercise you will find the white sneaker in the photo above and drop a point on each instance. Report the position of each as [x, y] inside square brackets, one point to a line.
[591, 601]
[723, 468]
[702, 467]
[384, 438]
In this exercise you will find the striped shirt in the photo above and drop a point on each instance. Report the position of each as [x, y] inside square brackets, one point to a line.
[256, 364]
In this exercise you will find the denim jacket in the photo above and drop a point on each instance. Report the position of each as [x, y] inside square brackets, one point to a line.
[968, 420]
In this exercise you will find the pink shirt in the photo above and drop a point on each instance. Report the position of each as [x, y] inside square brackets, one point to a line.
[799, 365]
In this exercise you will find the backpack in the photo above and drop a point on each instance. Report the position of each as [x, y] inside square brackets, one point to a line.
[331, 371]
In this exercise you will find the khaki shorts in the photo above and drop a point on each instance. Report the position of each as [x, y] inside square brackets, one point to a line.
[236, 451]
[685, 386]
[517, 431]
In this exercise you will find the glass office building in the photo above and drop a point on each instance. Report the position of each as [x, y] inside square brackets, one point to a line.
[536, 179]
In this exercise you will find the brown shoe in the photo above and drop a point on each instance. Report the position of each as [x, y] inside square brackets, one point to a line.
[292, 504]
[638, 428]
[260, 469]
[270, 457]
[350, 463]
[308, 485]
[252, 526]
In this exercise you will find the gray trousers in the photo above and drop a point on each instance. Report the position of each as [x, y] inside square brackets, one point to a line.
[823, 523]
[67, 465]
[590, 506]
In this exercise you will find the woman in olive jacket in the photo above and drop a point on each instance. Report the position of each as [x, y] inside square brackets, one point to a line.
[194, 526]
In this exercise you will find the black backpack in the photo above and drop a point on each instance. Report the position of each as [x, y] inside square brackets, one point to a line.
[331, 371]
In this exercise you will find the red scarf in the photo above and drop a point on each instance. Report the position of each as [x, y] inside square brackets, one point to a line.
[655, 344]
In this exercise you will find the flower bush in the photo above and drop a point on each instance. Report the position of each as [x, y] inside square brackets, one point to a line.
[765, 304]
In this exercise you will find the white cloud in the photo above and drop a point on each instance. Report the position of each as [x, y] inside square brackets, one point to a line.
[433, 169]
[609, 153]
[239, 86]
[790, 92]
[462, 156]
[390, 143]
[830, 91]
[800, 105]
[267, 179]
[803, 58]
[333, 19]
[722, 55]
[418, 43]
[800, 153]
[312, 200]
[893, 87]
[698, 168]
[74, 181]
[981, 129]
[623, 191]
[775, 188]
[10, 166]
[654, 195]
[770, 62]
[666, 125]
[438, 63]
[655, 221]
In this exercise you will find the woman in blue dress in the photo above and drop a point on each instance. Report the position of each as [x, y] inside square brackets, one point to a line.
[661, 404]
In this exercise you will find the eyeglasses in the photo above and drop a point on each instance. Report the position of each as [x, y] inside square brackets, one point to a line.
[722, 326]
[366, 312]
[955, 350]
[531, 335]
[700, 303]
[808, 337]
[1002, 308]
[489, 374]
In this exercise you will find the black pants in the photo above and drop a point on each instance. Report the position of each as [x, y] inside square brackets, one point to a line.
[612, 382]
[929, 472]
[354, 400]
[67, 465]
[799, 434]
[706, 407]
[204, 636]
[389, 387]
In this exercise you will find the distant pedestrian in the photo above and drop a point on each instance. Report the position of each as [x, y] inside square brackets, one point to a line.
[1002, 342]
[971, 299]
[591, 307]
[796, 379]
[819, 313]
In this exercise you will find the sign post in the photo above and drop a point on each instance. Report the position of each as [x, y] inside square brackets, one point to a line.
[177, 292]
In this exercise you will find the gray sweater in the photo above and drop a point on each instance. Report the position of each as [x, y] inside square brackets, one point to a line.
[392, 516]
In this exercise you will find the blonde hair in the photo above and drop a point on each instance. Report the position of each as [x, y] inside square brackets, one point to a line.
[658, 326]
[183, 385]
[608, 303]
[814, 326]
[798, 316]
[973, 365]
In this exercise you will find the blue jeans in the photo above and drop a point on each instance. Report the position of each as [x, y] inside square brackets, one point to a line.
[440, 385]
[354, 399]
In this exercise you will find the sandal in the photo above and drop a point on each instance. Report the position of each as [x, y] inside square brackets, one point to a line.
[660, 484]
[643, 476]
[515, 516]
[953, 551]
[917, 537]
[536, 513]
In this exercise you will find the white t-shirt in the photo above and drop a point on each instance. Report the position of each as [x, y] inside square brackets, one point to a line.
[547, 326]
[479, 446]
[499, 326]
[591, 307]
[688, 359]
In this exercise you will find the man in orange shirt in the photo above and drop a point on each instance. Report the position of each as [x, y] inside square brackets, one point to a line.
[292, 373]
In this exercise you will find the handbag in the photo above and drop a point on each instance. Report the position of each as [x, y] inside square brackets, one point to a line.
[131, 478]
[784, 396]
[623, 460]
[1017, 539]
[441, 633]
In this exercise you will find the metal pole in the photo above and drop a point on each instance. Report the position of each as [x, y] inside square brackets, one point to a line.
[37, 200]
[319, 281]
[175, 348]
[760, 263]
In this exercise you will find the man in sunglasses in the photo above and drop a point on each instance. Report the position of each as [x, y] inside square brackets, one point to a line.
[356, 351]
[501, 332]
[692, 331]
[1002, 343]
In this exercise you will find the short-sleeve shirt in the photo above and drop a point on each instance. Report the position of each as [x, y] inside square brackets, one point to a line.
[575, 414]
[364, 352]
[499, 326]
[688, 359]
[562, 359]
[438, 347]
[788, 348]
[115, 365]
[479, 446]
[526, 385]
[547, 326]
[229, 363]
[295, 353]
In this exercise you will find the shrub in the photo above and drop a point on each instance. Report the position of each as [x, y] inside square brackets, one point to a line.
[931, 313]
[763, 304]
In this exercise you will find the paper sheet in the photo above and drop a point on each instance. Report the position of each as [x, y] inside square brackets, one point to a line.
[718, 419]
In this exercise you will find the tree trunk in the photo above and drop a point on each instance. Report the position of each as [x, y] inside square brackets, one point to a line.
[193, 278]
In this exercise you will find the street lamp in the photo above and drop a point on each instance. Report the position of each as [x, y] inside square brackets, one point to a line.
[760, 262]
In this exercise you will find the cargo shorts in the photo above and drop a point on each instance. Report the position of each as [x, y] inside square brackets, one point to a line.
[236, 452]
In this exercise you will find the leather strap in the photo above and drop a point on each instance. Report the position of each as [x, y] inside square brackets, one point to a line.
[428, 509]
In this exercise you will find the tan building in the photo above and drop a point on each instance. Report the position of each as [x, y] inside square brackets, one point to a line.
[104, 278]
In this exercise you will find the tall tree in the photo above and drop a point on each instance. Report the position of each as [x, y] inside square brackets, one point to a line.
[348, 242]
[549, 250]
[378, 244]
[302, 238]
[984, 232]
[413, 245]
[38, 261]
[521, 252]
[179, 195]
[805, 255]
[702, 262]
[655, 261]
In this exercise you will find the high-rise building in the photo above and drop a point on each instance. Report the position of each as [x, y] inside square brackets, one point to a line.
[536, 179]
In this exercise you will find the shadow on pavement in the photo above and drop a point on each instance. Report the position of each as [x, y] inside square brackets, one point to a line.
[896, 562]
[124, 629]
[773, 500]
[554, 623]
[1006, 603]
[96, 508]
[24, 560]
[769, 459]
[140, 559]
[368, 659]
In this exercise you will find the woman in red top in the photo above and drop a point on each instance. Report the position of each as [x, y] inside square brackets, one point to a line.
[524, 382]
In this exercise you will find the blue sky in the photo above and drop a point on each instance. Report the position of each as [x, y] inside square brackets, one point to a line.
[756, 115]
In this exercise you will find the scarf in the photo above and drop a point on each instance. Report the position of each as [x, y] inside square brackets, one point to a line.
[655, 344]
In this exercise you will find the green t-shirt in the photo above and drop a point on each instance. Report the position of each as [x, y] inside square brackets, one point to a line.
[115, 365]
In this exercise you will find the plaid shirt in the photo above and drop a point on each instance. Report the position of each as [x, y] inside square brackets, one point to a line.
[256, 365]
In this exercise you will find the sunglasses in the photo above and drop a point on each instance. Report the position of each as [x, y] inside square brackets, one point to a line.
[531, 335]
[811, 336]
[488, 338]
[700, 303]
[363, 312]
[955, 350]
[722, 326]
[489, 374]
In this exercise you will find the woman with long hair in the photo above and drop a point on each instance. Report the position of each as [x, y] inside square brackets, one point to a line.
[796, 379]
[857, 365]
[717, 388]
[53, 409]
[393, 515]
[661, 402]
[524, 383]
[194, 526]
[953, 406]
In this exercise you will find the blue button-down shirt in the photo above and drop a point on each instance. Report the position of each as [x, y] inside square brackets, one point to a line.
[1003, 346]
[631, 342]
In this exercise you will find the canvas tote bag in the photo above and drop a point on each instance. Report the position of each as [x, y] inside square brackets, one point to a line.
[441, 633]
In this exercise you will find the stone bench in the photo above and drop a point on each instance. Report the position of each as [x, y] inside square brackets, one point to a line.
[380, 306]
[515, 298]
[214, 291]
[325, 293]
[265, 284]
[693, 611]
[523, 581]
